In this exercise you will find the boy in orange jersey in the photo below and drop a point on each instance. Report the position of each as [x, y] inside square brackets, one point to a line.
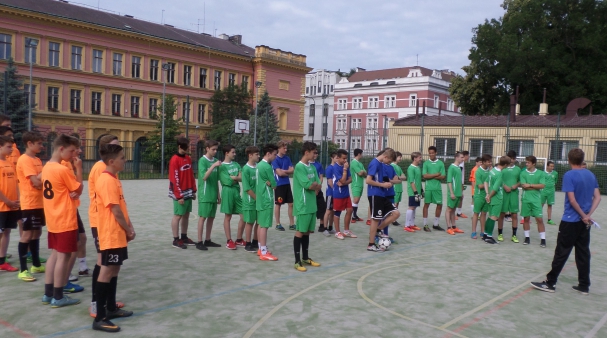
[9, 200]
[5, 130]
[29, 169]
[60, 189]
[115, 229]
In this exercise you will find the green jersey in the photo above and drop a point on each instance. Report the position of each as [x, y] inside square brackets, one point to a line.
[225, 171]
[209, 189]
[399, 172]
[536, 177]
[249, 182]
[434, 167]
[511, 175]
[304, 199]
[495, 184]
[454, 176]
[355, 168]
[263, 191]
[414, 175]
[551, 179]
[480, 177]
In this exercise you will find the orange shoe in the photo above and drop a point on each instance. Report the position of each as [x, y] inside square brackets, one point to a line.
[268, 257]
[353, 221]
[408, 229]
[7, 267]
[450, 231]
[259, 252]
[119, 305]
[462, 215]
[368, 222]
[416, 228]
[458, 231]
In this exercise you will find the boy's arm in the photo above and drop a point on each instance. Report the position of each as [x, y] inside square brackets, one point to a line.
[36, 181]
[395, 180]
[209, 170]
[115, 208]
[11, 204]
[174, 179]
[450, 183]
[370, 181]
[596, 199]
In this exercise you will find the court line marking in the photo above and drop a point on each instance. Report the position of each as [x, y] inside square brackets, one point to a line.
[15, 329]
[597, 327]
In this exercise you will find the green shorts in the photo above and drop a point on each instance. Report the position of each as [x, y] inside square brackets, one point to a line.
[182, 209]
[453, 203]
[264, 217]
[547, 197]
[510, 204]
[398, 197]
[433, 197]
[531, 210]
[495, 209]
[231, 202]
[480, 204]
[207, 210]
[249, 216]
[357, 191]
[305, 223]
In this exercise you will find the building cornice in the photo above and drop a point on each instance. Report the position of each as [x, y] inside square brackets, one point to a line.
[261, 61]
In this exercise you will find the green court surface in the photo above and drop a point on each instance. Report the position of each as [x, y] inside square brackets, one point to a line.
[428, 285]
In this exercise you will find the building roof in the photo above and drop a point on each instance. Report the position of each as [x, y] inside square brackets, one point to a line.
[65, 10]
[393, 73]
[551, 121]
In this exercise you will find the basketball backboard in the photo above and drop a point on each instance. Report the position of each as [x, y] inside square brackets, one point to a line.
[241, 126]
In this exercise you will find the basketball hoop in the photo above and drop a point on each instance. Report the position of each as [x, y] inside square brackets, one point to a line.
[241, 126]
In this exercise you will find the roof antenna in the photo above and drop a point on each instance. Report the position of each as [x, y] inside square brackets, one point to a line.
[204, 15]
[417, 62]
[162, 20]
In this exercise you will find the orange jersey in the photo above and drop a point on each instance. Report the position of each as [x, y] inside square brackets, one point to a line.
[30, 197]
[69, 165]
[108, 193]
[59, 208]
[8, 183]
[472, 175]
[96, 171]
[14, 156]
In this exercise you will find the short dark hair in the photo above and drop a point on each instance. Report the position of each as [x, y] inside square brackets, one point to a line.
[399, 154]
[415, 155]
[342, 152]
[308, 146]
[511, 154]
[109, 152]
[531, 159]
[549, 163]
[381, 152]
[576, 156]
[64, 140]
[250, 150]
[357, 152]
[32, 136]
[465, 153]
[4, 118]
[227, 148]
[5, 139]
[183, 143]
[333, 154]
[5, 129]
[210, 143]
[269, 148]
[504, 161]
[486, 158]
[432, 148]
[479, 159]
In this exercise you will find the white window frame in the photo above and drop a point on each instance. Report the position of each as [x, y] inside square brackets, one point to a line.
[390, 101]
[372, 122]
[436, 101]
[357, 103]
[373, 102]
[412, 100]
[355, 142]
[342, 104]
[357, 123]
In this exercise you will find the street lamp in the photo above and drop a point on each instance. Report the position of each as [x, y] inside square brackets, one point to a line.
[310, 111]
[257, 85]
[165, 68]
[31, 43]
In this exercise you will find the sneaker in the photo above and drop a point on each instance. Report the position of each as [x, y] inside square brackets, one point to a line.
[437, 228]
[7, 267]
[500, 237]
[119, 305]
[249, 248]
[230, 244]
[514, 239]
[280, 227]
[201, 246]
[458, 230]
[395, 223]
[415, 227]
[85, 273]
[299, 267]
[543, 243]
[332, 231]
[240, 242]
[551, 222]
[580, 290]
[473, 235]
[358, 219]
[326, 233]
[210, 244]
[179, 244]
[119, 313]
[523, 221]
[26, 276]
[259, 252]
[353, 220]
[489, 240]
[46, 300]
[309, 261]
[73, 278]
[268, 257]
[72, 288]
[321, 229]
[408, 229]
[65, 301]
[292, 227]
[37, 269]
[368, 222]
[507, 219]
[188, 241]
[339, 235]
[543, 286]
[381, 234]
[450, 231]
[427, 228]
[349, 233]
[375, 248]
[105, 326]
[30, 260]
[93, 309]
[462, 215]
[527, 241]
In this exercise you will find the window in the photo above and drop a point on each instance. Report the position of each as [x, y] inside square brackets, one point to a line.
[341, 143]
[522, 147]
[245, 82]
[203, 78]
[312, 110]
[325, 109]
[311, 130]
[371, 145]
[171, 72]
[217, 83]
[390, 102]
[97, 61]
[53, 54]
[373, 102]
[413, 100]
[342, 104]
[75, 100]
[53, 98]
[153, 108]
[355, 142]
[560, 149]
[478, 147]
[76, 58]
[319, 86]
[231, 79]
[154, 70]
[341, 124]
[96, 103]
[450, 105]
[5, 46]
[371, 122]
[307, 90]
[314, 88]
[31, 47]
[117, 64]
[201, 112]
[357, 103]
[26, 89]
[186, 111]
[134, 106]
[436, 101]
[116, 104]
[445, 147]
[135, 67]
[357, 123]
[601, 151]
[331, 88]
[187, 75]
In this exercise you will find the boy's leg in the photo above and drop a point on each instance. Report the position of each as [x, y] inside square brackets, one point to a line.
[277, 213]
[291, 218]
[175, 226]
[49, 275]
[61, 273]
[565, 241]
[448, 217]
[474, 222]
[24, 243]
[514, 217]
[483, 222]
[348, 219]
[240, 231]
[185, 223]
[248, 228]
[83, 270]
[541, 229]
[6, 234]
[35, 247]
[336, 216]
[200, 228]
[549, 210]
[226, 226]
[209, 228]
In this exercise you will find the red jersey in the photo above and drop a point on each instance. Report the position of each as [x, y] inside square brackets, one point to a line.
[181, 176]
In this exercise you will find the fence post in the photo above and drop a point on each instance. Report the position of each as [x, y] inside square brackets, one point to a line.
[384, 139]
[558, 134]
[136, 160]
[507, 134]
[421, 144]
[5, 94]
[187, 116]
[462, 133]
[349, 136]
[266, 138]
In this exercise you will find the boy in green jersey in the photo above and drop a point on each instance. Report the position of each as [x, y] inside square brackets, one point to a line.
[358, 173]
[454, 184]
[548, 192]
[305, 187]
[264, 199]
[533, 181]
[398, 187]
[481, 186]
[433, 172]
[414, 185]
[230, 174]
[208, 190]
[249, 184]
[495, 197]
[510, 206]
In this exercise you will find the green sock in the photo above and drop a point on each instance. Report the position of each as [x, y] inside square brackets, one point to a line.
[489, 227]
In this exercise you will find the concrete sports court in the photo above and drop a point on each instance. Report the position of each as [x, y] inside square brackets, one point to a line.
[428, 285]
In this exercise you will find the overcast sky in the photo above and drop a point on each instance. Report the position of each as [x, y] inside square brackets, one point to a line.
[333, 34]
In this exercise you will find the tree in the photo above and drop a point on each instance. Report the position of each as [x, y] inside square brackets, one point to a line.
[267, 125]
[16, 102]
[172, 129]
[226, 105]
[554, 44]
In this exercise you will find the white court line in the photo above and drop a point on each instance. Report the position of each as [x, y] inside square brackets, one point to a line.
[597, 327]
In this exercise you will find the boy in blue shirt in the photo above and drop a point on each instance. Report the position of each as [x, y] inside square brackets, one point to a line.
[283, 167]
[329, 202]
[341, 194]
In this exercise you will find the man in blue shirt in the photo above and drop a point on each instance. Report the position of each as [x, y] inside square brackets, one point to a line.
[341, 194]
[329, 202]
[581, 200]
[283, 167]
[321, 205]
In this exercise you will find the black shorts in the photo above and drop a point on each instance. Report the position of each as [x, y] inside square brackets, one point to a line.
[380, 207]
[283, 194]
[33, 219]
[329, 203]
[80, 224]
[321, 206]
[96, 239]
[114, 256]
[413, 202]
[9, 219]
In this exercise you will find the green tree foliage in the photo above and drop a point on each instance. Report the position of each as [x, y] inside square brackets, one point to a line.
[226, 105]
[267, 124]
[172, 129]
[559, 45]
[16, 102]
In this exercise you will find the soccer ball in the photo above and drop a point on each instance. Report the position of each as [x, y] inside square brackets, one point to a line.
[384, 243]
[279, 200]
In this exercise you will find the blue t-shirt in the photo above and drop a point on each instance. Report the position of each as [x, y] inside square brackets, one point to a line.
[329, 175]
[318, 167]
[282, 163]
[389, 174]
[582, 183]
[376, 171]
[338, 173]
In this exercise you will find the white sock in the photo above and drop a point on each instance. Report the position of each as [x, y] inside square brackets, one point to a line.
[264, 250]
[458, 211]
[82, 264]
[354, 205]
[471, 208]
[409, 217]
[425, 221]
[526, 233]
[259, 245]
[412, 217]
[436, 220]
[542, 235]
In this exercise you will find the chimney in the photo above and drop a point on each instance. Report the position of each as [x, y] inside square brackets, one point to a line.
[544, 106]
[237, 39]
[513, 108]
[224, 36]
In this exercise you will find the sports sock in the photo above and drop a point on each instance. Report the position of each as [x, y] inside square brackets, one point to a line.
[22, 249]
[111, 294]
[255, 243]
[514, 231]
[264, 249]
[305, 243]
[48, 290]
[35, 250]
[409, 218]
[458, 210]
[385, 230]
[58, 293]
[355, 208]
[425, 221]
[489, 224]
[500, 231]
[542, 235]
[471, 208]
[102, 295]
[330, 228]
[436, 221]
[2, 260]
[371, 244]
[184, 237]
[297, 248]
[82, 264]
[259, 245]
[453, 227]
[96, 271]
[527, 233]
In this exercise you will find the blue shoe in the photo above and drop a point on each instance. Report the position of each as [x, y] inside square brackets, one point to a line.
[280, 227]
[473, 235]
[65, 301]
[46, 300]
[72, 288]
